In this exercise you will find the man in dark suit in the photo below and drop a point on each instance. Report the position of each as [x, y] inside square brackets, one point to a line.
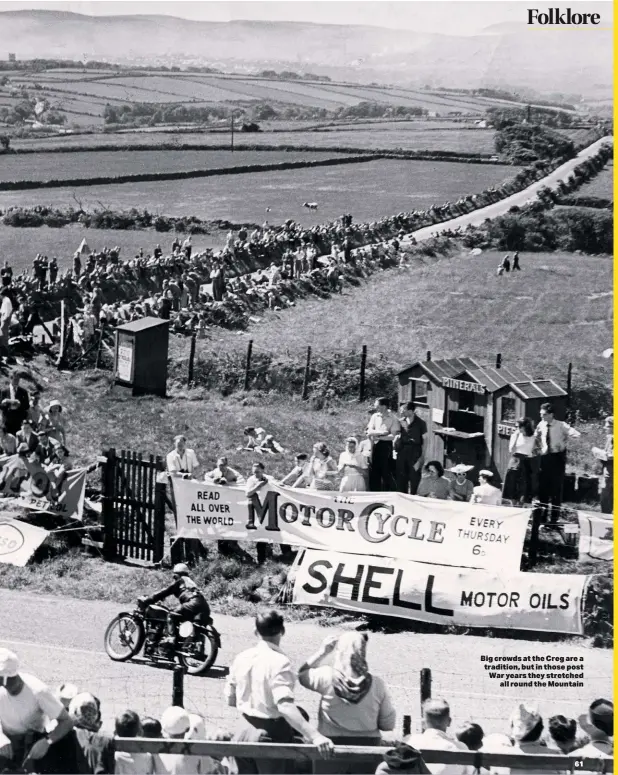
[14, 404]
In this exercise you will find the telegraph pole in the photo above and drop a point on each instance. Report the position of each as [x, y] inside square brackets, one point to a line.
[232, 137]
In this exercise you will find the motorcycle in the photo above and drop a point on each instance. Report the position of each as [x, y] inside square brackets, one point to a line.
[197, 645]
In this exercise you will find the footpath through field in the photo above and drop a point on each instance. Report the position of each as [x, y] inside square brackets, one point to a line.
[61, 639]
[519, 199]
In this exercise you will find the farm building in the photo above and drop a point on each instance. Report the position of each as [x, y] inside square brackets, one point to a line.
[471, 410]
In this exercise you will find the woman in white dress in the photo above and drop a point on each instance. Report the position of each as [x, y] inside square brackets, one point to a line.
[322, 468]
[353, 467]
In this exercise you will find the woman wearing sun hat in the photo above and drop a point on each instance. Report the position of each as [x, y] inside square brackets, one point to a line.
[54, 423]
[461, 486]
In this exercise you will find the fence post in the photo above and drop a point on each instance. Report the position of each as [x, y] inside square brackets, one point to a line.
[107, 486]
[363, 367]
[307, 375]
[569, 389]
[425, 689]
[178, 693]
[97, 363]
[428, 355]
[498, 360]
[407, 725]
[191, 360]
[248, 364]
[159, 520]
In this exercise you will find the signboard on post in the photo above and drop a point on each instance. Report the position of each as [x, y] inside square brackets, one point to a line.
[460, 384]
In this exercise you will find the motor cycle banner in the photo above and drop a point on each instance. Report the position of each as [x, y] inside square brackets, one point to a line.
[596, 535]
[433, 593]
[19, 541]
[387, 524]
[60, 493]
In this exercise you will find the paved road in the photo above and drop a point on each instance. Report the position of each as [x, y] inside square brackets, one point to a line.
[61, 639]
[477, 217]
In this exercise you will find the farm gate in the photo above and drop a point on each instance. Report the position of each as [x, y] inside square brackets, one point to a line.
[133, 507]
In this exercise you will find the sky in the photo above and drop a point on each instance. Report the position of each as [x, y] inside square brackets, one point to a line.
[419, 15]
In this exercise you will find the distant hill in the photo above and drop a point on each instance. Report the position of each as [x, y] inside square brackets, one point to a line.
[503, 54]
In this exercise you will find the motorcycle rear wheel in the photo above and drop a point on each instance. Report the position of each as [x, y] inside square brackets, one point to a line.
[130, 635]
[195, 665]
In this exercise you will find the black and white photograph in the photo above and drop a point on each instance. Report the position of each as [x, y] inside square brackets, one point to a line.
[306, 387]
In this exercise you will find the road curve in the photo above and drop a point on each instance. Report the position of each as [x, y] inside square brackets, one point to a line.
[61, 639]
[477, 217]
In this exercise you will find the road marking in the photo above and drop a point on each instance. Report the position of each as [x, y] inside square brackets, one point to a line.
[31, 644]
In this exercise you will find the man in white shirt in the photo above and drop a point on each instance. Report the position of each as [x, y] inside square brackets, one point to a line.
[261, 685]
[382, 429]
[551, 438]
[182, 461]
[6, 315]
[485, 492]
[27, 705]
[223, 474]
[437, 720]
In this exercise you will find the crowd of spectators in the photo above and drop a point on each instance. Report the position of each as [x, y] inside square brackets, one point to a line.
[43, 731]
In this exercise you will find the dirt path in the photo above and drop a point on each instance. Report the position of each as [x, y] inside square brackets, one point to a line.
[61, 639]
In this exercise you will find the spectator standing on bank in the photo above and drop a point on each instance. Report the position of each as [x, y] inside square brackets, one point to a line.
[182, 461]
[322, 468]
[409, 446]
[353, 467]
[551, 439]
[518, 484]
[299, 476]
[261, 686]
[355, 706]
[516, 266]
[16, 412]
[382, 429]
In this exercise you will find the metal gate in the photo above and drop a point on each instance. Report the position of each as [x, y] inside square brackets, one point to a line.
[133, 507]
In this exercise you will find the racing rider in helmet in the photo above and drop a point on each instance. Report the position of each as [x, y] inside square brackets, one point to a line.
[193, 606]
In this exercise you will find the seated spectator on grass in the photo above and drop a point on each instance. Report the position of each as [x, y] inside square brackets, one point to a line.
[94, 751]
[223, 474]
[471, 735]
[485, 492]
[35, 414]
[433, 483]
[182, 461]
[129, 725]
[8, 442]
[27, 436]
[270, 446]
[47, 449]
[299, 475]
[322, 468]
[561, 734]
[14, 471]
[400, 760]
[54, 422]
[250, 442]
[437, 720]
[353, 467]
[355, 706]
[598, 724]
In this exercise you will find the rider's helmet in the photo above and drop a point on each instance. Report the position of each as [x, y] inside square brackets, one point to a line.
[180, 569]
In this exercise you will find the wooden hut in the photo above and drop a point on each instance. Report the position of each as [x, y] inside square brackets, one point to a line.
[471, 410]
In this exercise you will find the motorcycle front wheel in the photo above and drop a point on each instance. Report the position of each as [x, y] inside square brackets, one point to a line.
[198, 653]
[124, 637]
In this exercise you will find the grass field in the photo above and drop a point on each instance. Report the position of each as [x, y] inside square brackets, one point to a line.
[82, 164]
[558, 309]
[368, 191]
[601, 186]
[409, 136]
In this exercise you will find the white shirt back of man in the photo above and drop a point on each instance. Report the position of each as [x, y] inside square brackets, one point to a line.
[30, 709]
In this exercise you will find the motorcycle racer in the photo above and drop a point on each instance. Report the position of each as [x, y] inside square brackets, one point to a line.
[193, 605]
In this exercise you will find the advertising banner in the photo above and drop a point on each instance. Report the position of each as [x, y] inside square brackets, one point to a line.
[389, 524]
[596, 535]
[436, 594]
[19, 541]
[60, 493]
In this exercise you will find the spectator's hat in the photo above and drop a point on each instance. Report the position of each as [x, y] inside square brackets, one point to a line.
[175, 721]
[600, 717]
[460, 468]
[66, 692]
[486, 473]
[85, 711]
[523, 720]
[9, 664]
[55, 404]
